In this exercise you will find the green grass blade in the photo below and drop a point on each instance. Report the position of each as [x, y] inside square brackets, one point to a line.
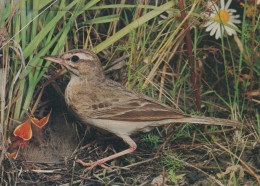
[138, 22]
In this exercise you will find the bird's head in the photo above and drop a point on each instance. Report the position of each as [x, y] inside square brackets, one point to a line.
[80, 63]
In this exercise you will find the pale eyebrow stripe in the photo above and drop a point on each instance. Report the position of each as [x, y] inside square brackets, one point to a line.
[84, 56]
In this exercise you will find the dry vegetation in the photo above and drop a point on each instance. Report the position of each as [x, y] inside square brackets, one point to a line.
[144, 51]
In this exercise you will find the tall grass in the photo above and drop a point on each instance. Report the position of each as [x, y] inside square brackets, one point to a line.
[33, 32]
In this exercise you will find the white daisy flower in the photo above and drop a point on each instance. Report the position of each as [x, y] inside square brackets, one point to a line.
[221, 15]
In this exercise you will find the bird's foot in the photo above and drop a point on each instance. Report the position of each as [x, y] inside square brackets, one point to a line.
[90, 165]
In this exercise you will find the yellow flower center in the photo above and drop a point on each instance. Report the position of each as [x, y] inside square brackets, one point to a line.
[223, 16]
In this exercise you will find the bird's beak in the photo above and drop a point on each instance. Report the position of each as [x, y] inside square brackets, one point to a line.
[54, 59]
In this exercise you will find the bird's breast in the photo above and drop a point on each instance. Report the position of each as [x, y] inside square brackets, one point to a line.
[83, 98]
[77, 97]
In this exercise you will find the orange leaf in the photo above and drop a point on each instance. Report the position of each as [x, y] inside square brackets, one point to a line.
[24, 130]
[42, 122]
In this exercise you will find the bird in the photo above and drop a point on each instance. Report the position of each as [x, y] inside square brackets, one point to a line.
[106, 104]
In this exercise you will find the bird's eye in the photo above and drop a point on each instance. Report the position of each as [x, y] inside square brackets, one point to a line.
[74, 58]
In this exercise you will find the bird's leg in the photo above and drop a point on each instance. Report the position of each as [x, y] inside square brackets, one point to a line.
[100, 162]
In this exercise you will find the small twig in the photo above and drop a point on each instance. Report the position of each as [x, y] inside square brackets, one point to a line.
[46, 171]
[243, 163]
[132, 165]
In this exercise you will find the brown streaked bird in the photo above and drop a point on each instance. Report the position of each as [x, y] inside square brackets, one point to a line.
[108, 105]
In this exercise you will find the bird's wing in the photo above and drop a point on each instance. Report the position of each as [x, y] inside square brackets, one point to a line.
[135, 110]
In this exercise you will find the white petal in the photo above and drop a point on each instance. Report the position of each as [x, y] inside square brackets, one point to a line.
[235, 16]
[227, 5]
[234, 32]
[222, 4]
[237, 21]
[214, 29]
[232, 24]
[217, 33]
[229, 31]
[208, 23]
[210, 27]
[231, 11]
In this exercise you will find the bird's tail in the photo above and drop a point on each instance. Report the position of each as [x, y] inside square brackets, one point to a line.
[211, 121]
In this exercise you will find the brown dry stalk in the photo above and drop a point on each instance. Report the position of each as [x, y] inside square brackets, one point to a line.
[191, 62]
[162, 81]
[252, 58]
